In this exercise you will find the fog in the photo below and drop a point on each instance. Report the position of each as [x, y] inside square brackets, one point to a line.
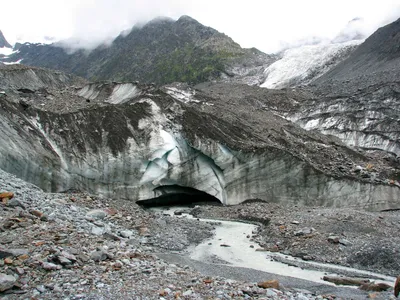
[267, 25]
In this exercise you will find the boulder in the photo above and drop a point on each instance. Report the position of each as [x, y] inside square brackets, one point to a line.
[6, 282]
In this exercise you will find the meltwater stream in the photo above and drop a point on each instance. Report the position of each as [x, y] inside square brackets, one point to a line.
[230, 246]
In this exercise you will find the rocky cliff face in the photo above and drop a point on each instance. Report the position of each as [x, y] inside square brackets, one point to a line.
[135, 142]
[161, 51]
[3, 41]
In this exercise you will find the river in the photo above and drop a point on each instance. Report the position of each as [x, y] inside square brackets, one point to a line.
[230, 245]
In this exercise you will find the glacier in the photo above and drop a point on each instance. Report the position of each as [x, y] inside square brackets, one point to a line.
[301, 65]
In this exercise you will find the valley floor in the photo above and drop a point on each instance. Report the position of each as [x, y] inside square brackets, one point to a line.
[80, 246]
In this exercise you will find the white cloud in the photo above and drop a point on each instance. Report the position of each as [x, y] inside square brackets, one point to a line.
[267, 25]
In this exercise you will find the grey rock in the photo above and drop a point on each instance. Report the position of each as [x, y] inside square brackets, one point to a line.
[99, 255]
[96, 214]
[271, 293]
[98, 230]
[50, 266]
[303, 231]
[345, 242]
[64, 261]
[6, 282]
[68, 255]
[12, 252]
[15, 203]
[126, 233]
[334, 239]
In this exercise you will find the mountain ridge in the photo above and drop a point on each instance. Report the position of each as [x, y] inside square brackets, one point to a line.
[160, 51]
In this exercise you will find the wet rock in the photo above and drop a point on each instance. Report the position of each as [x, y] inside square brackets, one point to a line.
[6, 282]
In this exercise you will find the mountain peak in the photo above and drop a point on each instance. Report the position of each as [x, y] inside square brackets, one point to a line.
[186, 18]
[3, 41]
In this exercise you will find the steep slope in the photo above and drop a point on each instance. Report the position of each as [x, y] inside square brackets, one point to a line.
[3, 41]
[377, 60]
[302, 65]
[359, 99]
[134, 141]
[161, 51]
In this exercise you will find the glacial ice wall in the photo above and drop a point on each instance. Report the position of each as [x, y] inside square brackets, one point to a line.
[131, 150]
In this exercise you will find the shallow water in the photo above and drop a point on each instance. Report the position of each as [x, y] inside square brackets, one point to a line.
[236, 251]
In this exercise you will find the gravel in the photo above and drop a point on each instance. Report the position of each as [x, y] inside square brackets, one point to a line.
[49, 251]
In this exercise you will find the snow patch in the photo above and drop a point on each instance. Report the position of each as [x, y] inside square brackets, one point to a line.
[184, 96]
[6, 51]
[123, 92]
[13, 62]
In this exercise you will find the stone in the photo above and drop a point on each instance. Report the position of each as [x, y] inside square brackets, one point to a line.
[98, 214]
[64, 261]
[295, 222]
[345, 242]
[224, 245]
[68, 255]
[397, 287]
[6, 195]
[98, 230]
[126, 233]
[271, 293]
[334, 239]
[187, 293]
[6, 282]
[111, 236]
[8, 261]
[269, 284]
[303, 231]
[12, 252]
[50, 266]
[99, 255]
[375, 287]
[15, 203]
[36, 213]
[358, 169]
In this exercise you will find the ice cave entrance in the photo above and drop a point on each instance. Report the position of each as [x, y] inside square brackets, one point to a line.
[176, 195]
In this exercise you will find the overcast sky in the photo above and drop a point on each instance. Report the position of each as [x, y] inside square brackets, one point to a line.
[264, 24]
